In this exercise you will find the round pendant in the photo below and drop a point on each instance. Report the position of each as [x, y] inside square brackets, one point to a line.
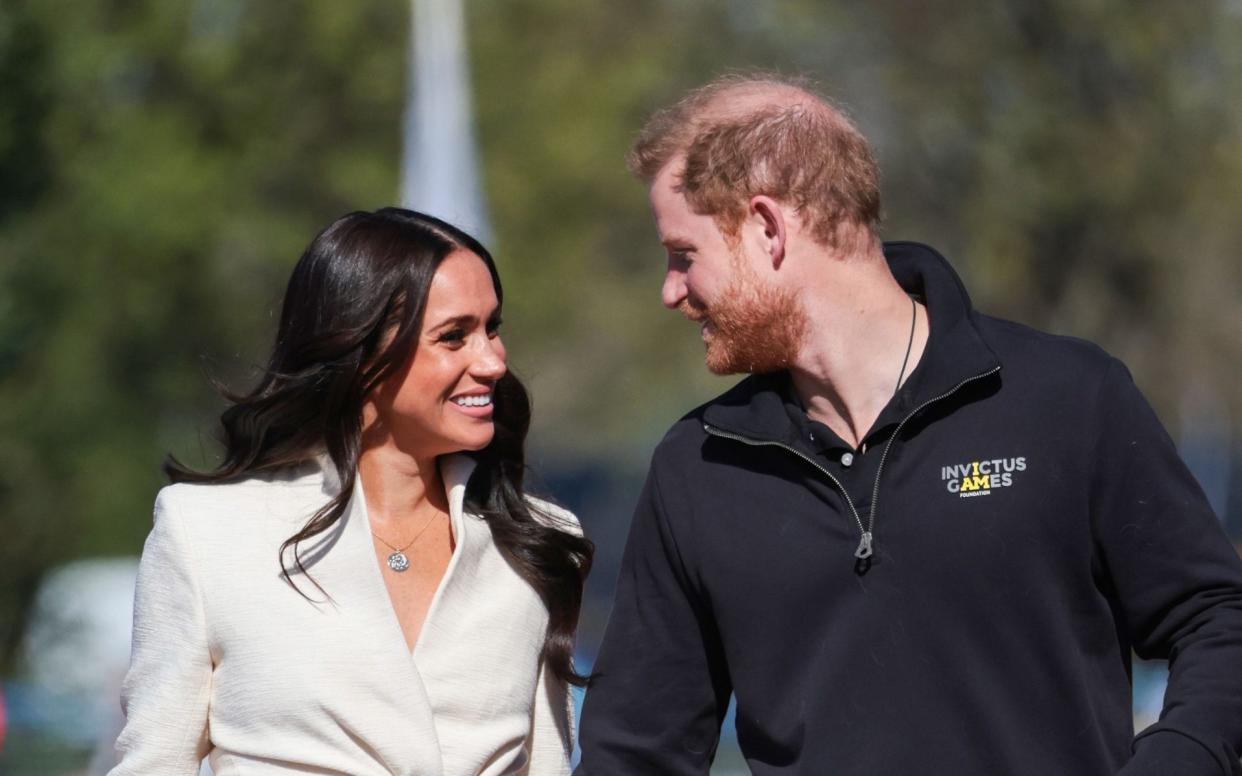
[398, 562]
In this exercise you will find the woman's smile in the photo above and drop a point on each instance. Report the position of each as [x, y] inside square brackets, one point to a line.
[476, 405]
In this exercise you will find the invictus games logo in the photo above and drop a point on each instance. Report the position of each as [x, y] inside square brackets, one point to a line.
[980, 478]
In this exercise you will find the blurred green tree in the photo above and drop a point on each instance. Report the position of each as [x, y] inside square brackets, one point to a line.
[1080, 161]
[165, 163]
[162, 164]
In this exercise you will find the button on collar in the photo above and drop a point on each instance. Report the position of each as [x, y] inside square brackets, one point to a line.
[847, 459]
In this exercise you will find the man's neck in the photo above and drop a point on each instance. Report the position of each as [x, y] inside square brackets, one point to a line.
[859, 331]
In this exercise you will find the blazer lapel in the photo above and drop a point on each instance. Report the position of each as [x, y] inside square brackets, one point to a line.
[411, 733]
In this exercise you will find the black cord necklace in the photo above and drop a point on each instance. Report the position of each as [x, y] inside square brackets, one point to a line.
[862, 556]
[914, 319]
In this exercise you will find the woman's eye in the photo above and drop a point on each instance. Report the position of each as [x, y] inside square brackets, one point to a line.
[493, 327]
[453, 336]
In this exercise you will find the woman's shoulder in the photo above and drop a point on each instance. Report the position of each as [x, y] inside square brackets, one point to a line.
[284, 493]
[553, 515]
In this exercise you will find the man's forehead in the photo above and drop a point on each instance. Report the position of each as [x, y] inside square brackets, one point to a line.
[678, 226]
[668, 203]
[669, 176]
[664, 193]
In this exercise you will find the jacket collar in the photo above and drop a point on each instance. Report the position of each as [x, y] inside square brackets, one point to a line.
[455, 471]
[758, 406]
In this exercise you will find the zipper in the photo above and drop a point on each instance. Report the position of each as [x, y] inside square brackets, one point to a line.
[712, 430]
[865, 548]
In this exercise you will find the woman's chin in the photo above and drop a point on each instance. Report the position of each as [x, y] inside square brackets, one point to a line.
[465, 443]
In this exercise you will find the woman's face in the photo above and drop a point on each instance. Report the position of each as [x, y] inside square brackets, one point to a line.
[441, 402]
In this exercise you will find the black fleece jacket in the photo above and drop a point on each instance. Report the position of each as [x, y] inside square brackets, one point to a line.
[1032, 524]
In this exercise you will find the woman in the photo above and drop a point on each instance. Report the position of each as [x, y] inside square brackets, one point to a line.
[361, 586]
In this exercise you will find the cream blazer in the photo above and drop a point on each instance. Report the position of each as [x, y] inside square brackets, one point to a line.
[231, 663]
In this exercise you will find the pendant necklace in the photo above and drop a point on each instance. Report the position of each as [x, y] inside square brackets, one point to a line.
[397, 560]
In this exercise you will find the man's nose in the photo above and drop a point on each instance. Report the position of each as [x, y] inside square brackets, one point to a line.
[673, 293]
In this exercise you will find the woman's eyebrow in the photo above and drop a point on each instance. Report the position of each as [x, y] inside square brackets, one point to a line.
[462, 320]
[465, 319]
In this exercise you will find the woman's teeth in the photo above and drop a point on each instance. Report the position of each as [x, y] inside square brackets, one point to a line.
[482, 400]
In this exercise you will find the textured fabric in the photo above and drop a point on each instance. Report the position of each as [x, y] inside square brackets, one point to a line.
[232, 663]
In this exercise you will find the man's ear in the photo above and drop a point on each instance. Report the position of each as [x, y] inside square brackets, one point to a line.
[768, 218]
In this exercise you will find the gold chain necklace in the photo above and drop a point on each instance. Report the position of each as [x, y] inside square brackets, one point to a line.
[398, 561]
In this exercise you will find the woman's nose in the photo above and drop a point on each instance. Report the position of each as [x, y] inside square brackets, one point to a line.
[490, 363]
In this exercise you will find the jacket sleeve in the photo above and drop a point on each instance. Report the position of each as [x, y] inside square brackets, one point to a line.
[660, 688]
[166, 692]
[551, 737]
[1178, 583]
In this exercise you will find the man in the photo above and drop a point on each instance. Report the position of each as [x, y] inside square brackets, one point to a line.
[917, 540]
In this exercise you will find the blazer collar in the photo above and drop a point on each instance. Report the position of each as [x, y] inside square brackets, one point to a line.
[455, 470]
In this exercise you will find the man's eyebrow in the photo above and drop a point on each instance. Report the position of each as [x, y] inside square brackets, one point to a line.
[676, 242]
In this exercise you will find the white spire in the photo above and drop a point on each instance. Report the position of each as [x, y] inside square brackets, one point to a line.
[439, 170]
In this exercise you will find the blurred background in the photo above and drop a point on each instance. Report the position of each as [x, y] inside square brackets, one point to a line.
[164, 162]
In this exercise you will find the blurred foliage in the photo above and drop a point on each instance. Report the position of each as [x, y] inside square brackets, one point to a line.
[163, 163]
[185, 153]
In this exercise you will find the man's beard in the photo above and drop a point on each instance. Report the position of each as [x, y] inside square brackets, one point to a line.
[755, 327]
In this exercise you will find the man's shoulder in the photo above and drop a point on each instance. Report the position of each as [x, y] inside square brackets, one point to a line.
[688, 433]
[685, 435]
[1055, 356]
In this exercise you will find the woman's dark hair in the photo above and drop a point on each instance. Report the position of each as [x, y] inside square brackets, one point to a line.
[351, 318]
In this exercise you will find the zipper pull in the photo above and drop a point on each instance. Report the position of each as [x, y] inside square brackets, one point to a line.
[864, 546]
